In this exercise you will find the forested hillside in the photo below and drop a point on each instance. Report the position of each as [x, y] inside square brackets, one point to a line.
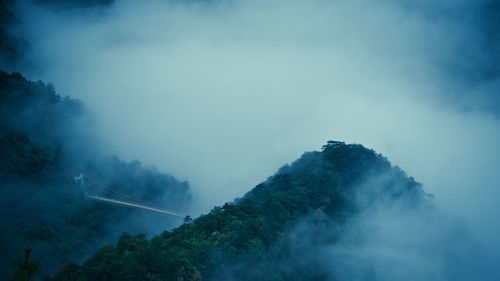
[275, 232]
[46, 140]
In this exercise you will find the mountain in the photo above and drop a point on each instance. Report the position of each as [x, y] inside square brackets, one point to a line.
[277, 231]
[46, 140]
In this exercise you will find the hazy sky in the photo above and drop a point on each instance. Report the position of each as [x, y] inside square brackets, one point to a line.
[223, 93]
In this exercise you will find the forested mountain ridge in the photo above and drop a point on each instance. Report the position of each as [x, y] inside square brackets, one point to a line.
[275, 232]
[47, 119]
[45, 140]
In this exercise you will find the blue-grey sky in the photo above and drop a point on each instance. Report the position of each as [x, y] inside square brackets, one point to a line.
[223, 93]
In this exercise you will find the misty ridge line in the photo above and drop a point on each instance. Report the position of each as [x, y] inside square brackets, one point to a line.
[412, 66]
[374, 189]
[44, 136]
[416, 80]
[342, 213]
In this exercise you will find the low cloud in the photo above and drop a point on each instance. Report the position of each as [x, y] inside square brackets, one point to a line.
[224, 92]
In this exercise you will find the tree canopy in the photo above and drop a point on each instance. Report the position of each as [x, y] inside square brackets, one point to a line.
[258, 236]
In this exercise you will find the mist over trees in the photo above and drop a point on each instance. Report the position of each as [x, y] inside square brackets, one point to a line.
[45, 140]
[275, 232]
[222, 92]
[330, 215]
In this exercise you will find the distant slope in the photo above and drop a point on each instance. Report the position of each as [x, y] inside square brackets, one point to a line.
[45, 140]
[46, 118]
[272, 233]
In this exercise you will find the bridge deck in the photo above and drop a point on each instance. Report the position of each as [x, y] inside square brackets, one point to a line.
[133, 205]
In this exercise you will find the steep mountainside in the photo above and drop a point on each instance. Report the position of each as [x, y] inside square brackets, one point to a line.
[45, 140]
[275, 232]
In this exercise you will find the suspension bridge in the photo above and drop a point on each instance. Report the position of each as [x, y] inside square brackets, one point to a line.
[120, 199]
[133, 205]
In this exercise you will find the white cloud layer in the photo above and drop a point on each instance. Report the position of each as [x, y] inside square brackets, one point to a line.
[222, 93]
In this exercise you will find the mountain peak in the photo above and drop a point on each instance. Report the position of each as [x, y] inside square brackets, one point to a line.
[315, 195]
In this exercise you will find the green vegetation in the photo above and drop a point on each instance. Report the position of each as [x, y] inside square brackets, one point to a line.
[275, 232]
[26, 269]
[21, 157]
[45, 140]
[259, 236]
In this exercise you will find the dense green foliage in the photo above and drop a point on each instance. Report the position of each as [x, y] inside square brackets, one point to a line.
[273, 233]
[259, 236]
[46, 139]
[21, 157]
